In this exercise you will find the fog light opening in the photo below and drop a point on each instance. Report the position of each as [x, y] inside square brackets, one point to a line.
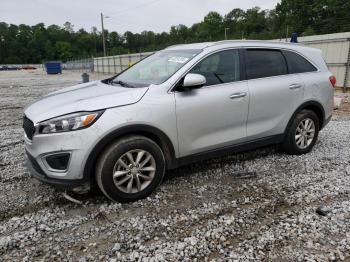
[58, 161]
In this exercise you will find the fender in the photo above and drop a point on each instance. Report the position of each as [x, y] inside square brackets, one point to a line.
[151, 132]
[312, 105]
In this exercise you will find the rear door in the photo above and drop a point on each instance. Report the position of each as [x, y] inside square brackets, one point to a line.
[215, 115]
[274, 93]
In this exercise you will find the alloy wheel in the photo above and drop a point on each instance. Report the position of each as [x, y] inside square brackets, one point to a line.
[134, 171]
[305, 133]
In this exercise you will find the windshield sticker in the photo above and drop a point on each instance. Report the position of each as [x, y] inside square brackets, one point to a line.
[178, 59]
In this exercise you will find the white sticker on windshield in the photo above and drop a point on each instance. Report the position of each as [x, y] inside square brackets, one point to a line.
[178, 59]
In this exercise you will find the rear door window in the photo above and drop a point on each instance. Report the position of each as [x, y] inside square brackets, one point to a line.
[297, 63]
[221, 67]
[265, 63]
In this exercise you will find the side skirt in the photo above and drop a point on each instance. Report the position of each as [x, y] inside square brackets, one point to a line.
[230, 150]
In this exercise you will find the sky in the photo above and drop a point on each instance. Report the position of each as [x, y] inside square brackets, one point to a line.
[124, 15]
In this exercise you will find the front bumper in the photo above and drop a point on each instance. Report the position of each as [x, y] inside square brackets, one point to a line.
[75, 146]
[78, 185]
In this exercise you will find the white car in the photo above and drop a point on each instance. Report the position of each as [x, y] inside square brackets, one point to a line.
[182, 104]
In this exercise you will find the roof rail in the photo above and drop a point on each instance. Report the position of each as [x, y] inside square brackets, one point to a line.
[252, 41]
[203, 43]
[173, 46]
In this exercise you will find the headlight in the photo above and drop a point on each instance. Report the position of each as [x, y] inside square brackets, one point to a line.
[69, 122]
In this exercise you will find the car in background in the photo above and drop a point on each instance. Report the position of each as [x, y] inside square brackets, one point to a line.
[10, 67]
[28, 67]
[180, 105]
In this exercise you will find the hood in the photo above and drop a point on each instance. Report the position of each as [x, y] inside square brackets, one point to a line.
[83, 97]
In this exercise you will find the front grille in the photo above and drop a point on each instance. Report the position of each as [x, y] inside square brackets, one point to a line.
[28, 126]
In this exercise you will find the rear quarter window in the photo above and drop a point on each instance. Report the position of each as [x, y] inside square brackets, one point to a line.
[297, 63]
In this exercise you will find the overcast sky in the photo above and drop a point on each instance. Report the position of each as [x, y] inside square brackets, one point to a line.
[125, 15]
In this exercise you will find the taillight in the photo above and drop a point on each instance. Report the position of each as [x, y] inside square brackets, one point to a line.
[333, 80]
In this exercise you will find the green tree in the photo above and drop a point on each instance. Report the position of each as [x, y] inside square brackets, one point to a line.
[63, 50]
[308, 31]
[34, 44]
[212, 26]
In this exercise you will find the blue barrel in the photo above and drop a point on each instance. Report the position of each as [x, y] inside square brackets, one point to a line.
[53, 67]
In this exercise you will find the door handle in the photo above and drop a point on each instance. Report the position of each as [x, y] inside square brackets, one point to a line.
[294, 86]
[238, 95]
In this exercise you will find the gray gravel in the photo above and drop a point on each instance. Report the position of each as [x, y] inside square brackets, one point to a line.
[258, 205]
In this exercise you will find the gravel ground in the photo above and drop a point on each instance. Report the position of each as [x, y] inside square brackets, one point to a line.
[259, 205]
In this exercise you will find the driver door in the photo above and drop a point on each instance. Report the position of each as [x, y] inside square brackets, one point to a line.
[214, 116]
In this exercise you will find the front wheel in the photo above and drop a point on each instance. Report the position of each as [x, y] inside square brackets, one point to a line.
[302, 134]
[130, 169]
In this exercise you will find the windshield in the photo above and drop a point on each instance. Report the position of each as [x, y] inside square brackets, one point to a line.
[155, 69]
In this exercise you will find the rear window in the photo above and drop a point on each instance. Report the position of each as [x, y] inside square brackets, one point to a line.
[297, 63]
[265, 63]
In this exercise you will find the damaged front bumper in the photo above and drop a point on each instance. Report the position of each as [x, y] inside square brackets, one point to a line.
[76, 185]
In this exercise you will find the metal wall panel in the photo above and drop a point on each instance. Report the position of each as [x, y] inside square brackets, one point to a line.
[336, 50]
[333, 52]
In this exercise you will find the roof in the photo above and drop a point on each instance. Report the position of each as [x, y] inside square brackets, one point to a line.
[238, 43]
[190, 46]
[271, 43]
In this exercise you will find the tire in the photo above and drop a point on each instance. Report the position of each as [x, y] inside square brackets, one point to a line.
[294, 143]
[120, 162]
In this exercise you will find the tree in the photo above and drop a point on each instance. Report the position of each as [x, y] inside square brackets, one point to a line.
[68, 27]
[34, 44]
[63, 50]
[234, 21]
[212, 26]
[308, 31]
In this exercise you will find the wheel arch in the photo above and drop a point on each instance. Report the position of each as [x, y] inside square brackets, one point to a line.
[153, 133]
[314, 106]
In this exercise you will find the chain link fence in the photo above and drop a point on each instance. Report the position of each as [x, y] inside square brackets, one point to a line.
[105, 65]
[116, 64]
[82, 65]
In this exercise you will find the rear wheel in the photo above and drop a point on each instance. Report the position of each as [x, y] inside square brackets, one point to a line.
[130, 169]
[302, 134]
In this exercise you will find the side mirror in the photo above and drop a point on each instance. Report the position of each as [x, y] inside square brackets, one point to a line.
[193, 81]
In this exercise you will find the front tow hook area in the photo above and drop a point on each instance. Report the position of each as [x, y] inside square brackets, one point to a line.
[71, 199]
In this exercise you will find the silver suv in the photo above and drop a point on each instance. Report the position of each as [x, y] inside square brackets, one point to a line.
[182, 104]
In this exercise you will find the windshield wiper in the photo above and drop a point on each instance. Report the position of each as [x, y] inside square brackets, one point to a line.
[122, 83]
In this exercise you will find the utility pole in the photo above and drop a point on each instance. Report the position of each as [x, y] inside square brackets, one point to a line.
[2, 40]
[103, 36]
[226, 32]
[287, 33]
